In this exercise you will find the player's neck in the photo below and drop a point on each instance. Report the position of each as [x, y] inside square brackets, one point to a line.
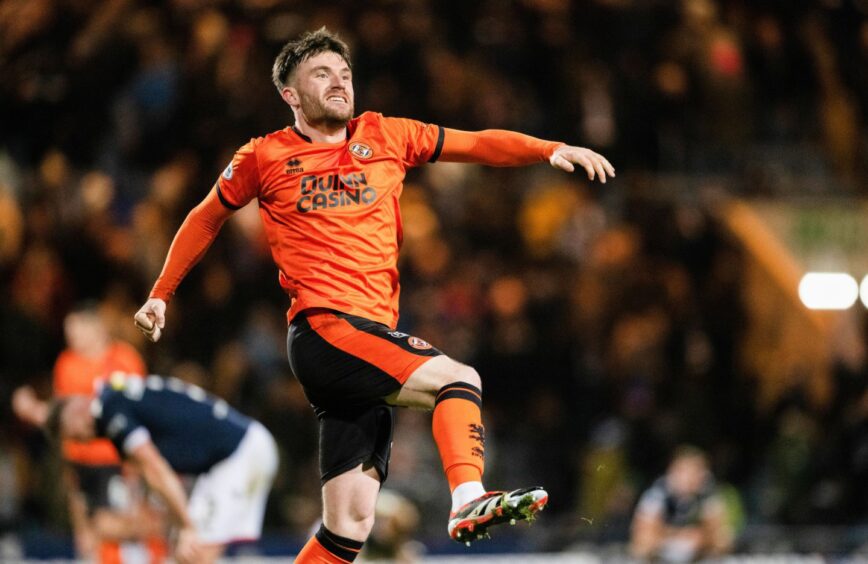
[94, 350]
[322, 132]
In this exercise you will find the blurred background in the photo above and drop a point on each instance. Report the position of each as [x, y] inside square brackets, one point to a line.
[609, 323]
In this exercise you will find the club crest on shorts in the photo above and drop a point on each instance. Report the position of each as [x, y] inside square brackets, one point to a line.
[227, 174]
[361, 150]
[418, 343]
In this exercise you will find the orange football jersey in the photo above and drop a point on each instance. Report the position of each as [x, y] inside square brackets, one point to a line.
[75, 374]
[331, 212]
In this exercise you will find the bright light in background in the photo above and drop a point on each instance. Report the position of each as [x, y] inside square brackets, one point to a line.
[863, 291]
[829, 290]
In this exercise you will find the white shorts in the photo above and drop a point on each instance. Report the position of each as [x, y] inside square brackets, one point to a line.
[227, 503]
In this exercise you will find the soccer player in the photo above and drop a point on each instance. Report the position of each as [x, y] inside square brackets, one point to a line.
[681, 517]
[102, 515]
[328, 190]
[167, 427]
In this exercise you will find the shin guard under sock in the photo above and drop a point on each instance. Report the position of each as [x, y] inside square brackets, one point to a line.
[458, 432]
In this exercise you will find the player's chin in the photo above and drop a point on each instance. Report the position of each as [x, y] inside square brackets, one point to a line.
[339, 113]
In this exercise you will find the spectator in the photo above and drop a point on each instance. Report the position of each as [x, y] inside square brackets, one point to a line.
[682, 516]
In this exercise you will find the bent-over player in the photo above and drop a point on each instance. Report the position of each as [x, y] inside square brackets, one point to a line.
[108, 519]
[167, 427]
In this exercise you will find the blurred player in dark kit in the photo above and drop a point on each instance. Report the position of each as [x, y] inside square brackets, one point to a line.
[166, 427]
[681, 517]
[107, 509]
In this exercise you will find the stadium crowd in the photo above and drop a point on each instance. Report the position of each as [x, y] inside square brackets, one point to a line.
[606, 322]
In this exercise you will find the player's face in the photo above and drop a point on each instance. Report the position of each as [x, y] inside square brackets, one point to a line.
[324, 90]
[687, 475]
[83, 330]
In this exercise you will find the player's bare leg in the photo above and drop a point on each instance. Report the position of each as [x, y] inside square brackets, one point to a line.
[349, 500]
[454, 391]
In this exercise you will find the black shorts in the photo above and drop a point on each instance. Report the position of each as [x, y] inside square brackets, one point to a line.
[347, 365]
[102, 486]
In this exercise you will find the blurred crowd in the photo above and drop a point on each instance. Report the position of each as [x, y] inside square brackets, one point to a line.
[606, 322]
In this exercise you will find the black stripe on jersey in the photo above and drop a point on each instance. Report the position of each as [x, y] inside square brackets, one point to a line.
[223, 200]
[439, 147]
[302, 135]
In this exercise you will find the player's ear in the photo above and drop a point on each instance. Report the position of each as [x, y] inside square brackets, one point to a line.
[290, 96]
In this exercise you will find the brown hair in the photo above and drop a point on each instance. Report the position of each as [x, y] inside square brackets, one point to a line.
[310, 44]
[689, 451]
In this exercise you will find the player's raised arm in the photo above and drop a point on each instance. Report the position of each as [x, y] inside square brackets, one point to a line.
[497, 147]
[191, 241]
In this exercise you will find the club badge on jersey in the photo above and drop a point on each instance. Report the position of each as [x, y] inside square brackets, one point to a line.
[361, 150]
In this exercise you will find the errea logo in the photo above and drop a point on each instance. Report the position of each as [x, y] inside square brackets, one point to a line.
[293, 166]
[361, 150]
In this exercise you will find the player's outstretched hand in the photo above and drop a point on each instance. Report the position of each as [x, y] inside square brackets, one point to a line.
[151, 319]
[188, 550]
[596, 165]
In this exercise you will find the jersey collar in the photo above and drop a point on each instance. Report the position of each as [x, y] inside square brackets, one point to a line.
[350, 130]
[300, 134]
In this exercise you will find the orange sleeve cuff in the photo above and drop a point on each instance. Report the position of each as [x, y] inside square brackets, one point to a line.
[191, 241]
[495, 147]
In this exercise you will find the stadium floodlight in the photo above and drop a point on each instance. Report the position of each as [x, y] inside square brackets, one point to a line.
[829, 290]
[863, 291]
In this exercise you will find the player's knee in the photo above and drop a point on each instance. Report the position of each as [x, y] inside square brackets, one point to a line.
[365, 525]
[356, 524]
[425, 385]
[355, 520]
[469, 375]
[461, 374]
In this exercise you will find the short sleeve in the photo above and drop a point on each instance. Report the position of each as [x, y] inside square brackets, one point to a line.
[421, 142]
[118, 423]
[652, 502]
[239, 182]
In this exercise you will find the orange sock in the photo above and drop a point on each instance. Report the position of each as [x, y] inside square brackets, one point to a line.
[109, 553]
[458, 432]
[157, 549]
[328, 548]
